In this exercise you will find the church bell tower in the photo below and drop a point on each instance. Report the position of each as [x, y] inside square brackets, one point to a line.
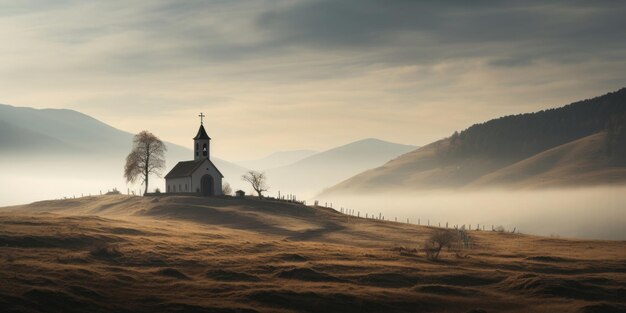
[201, 142]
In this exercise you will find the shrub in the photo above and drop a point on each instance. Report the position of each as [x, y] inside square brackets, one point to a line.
[157, 190]
[226, 189]
[113, 192]
[439, 239]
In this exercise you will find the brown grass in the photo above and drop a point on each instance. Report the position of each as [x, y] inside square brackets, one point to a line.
[186, 254]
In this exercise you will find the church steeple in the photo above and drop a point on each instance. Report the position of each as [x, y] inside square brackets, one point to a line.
[201, 142]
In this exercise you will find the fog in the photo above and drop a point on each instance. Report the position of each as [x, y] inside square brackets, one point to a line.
[593, 213]
[51, 178]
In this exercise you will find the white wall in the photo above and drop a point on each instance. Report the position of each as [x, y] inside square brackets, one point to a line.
[179, 184]
[204, 169]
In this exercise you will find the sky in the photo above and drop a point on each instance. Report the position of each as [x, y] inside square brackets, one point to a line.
[282, 75]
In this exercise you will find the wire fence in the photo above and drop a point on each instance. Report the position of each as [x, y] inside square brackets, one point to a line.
[421, 222]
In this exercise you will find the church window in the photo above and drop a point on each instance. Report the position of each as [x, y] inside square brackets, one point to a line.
[197, 149]
[179, 188]
[204, 150]
[185, 187]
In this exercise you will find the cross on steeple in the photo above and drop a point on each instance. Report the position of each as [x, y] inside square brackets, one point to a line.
[201, 117]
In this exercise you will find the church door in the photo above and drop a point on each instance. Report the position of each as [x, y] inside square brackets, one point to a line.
[206, 185]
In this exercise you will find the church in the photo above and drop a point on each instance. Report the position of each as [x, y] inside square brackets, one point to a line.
[199, 176]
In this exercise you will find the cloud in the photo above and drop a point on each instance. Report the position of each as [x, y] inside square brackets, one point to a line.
[424, 67]
[431, 31]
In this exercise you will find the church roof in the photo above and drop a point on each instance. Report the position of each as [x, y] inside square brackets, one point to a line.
[187, 168]
[201, 134]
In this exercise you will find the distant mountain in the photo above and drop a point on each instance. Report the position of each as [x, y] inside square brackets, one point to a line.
[18, 140]
[56, 131]
[579, 144]
[43, 140]
[311, 174]
[277, 159]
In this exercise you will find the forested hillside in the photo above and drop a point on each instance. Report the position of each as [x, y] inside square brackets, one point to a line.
[520, 136]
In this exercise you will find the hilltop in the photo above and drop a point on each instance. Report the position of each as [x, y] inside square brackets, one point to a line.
[191, 254]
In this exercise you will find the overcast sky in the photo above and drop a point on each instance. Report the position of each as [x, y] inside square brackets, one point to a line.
[282, 75]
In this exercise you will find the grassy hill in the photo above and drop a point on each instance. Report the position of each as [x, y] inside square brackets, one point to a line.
[188, 254]
[515, 151]
[581, 162]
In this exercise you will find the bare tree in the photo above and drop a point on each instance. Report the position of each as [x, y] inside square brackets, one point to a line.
[146, 157]
[257, 180]
[439, 239]
[226, 189]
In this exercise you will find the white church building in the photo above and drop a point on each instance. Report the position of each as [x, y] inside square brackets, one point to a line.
[199, 176]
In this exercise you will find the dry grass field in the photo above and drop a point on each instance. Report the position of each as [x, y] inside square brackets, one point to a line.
[190, 254]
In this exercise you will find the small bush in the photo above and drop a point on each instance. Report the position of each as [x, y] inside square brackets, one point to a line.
[438, 240]
[226, 189]
[157, 190]
[113, 192]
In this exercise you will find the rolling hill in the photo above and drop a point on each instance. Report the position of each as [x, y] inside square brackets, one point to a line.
[578, 144]
[313, 173]
[229, 255]
[581, 162]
